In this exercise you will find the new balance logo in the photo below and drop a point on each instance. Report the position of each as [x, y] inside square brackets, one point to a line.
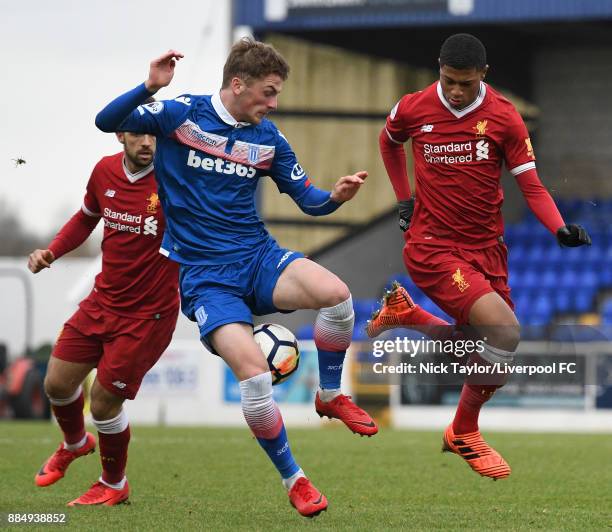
[150, 226]
[427, 128]
[482, 150]
[110, 193]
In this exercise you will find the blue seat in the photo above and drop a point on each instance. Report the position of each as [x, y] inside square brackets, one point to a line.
[305, 332]
[605, 276]
[364, 307]
[562, 301]
[588, 279]
[577, 333]
[534, 311]
[593, 255]
[521, 232]
[359, 334]
[543, 306]
[430, 307]
[583, 300]
[549, 280]
[517, 261]
[522, 305]
[537, 254]
[555, 258]
[606, 312]
[573, 256]
[568, 279]
[525, 282]
[510, 235]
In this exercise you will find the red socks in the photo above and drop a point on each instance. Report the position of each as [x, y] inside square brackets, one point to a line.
[473, 396]
[113, 454]
[113, 439]
[70, 417]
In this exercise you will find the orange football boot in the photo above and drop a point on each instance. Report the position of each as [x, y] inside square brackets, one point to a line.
[396, 310]
[307, 499]
[55, 467]
[479, 455]
[399, 310]
[101, 494]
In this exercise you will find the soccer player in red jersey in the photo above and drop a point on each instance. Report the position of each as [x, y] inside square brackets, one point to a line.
[122, 327]
[462, 132]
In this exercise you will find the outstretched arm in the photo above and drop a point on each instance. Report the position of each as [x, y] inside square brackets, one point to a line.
[69, 237]
[291, 179]
[543, 206]
[539, 200]
[317, 202]
[161, 72]
[346, 187]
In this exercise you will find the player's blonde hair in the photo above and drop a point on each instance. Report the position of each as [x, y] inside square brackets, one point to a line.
[250, 60]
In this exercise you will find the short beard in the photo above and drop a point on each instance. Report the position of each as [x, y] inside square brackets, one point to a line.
[136, 163]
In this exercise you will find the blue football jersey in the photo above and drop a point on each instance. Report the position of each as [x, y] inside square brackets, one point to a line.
[207, 166]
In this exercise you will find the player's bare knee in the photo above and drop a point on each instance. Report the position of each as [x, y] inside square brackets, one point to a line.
[506, 337]
[57, 388]
[336, 294]
[102, 410]
[104, 405]
[248, 371]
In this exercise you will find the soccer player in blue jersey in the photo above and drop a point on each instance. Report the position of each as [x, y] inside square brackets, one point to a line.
[211, 152]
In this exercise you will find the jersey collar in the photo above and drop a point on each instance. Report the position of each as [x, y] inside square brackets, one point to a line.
[474, 105]
[223, 113]
[132, 178]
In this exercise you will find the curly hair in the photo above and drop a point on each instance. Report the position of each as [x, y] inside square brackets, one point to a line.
[463, 51]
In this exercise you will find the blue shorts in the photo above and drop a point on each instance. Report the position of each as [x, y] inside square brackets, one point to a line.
[216, 295]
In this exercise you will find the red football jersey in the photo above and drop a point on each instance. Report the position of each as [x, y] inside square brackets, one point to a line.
[136, 280]
[458, 157]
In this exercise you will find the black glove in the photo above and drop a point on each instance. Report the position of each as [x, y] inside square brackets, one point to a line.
[406, 208]
[573, 235]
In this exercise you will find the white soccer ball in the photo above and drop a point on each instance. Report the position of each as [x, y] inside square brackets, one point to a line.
[280, 347]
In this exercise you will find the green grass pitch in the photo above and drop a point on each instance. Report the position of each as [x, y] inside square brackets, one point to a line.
[219, 479]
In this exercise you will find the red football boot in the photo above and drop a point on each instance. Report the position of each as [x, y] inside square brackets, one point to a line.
[101, 494]
[307, 499]
[55, 467]
[349, 413]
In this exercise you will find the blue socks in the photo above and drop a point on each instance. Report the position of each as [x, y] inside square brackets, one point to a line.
[330, 369]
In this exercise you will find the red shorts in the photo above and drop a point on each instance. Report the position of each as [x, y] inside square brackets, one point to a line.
[454, 278]
[123, 349]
